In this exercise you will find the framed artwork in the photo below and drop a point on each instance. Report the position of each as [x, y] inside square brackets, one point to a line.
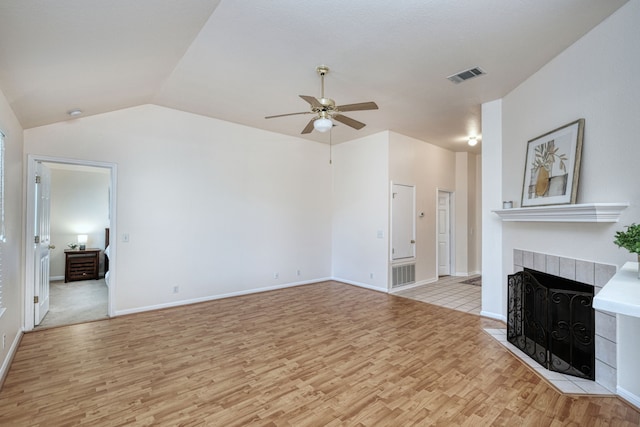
[552, 166]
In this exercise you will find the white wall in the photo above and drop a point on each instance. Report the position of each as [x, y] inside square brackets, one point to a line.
[475, 219]
[468, 192]
[595, 79]
[360, 211]
[79, 205]
[429, 168]
[493, 280]
[11, 249]
[210, 206]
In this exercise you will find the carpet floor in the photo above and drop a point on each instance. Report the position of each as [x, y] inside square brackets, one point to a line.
[76, 302]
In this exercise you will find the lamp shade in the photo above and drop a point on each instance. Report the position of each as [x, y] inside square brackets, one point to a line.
[82, 239]
[322, 124]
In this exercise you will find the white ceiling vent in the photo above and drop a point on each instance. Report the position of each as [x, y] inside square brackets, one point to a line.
[466, 74]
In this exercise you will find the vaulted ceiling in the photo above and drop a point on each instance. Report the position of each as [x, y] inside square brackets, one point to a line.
[242, 60]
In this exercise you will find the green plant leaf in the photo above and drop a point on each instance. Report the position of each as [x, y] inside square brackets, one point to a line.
[629, 239]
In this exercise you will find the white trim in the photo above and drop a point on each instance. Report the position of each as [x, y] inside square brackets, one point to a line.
[217, 297]
[586, 212]
[628, 396]
[32, 159]
[3, 231]
[361, 285]
[493, 316]
[4, 370]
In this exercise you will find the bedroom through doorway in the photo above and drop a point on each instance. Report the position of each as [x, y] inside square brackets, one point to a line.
[70, 211]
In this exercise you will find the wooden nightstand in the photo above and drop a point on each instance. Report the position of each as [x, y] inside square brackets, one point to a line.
[81, 265]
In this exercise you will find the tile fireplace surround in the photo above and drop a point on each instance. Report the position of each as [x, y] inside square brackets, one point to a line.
[590, 273]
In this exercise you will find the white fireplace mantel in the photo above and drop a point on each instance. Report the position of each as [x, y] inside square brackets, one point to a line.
[585, 212]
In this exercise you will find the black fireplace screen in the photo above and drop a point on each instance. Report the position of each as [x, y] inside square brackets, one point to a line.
[551, 319]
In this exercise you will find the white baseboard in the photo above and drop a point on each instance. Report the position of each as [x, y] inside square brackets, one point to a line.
[216, 297]
[628, 396]
[55, 278]
[493, 316]
[6, 364]
[361, 285]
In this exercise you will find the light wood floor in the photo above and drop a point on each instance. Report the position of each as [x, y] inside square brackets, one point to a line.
[324, 354]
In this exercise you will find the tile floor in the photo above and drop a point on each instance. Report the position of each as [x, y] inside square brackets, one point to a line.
[448, 292]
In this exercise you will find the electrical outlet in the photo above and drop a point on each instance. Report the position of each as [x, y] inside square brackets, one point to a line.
[125, 237]
[4, 340]
[276, 275]
[370, 275]
[298, 272]
[176, 289]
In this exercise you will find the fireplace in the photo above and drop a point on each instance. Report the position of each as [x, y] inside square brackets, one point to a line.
[552, 320]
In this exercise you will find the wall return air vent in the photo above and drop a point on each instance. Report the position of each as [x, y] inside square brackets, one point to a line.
[466, 75]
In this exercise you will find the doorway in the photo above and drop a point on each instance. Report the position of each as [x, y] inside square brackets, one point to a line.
[82, 208]
[443, 227]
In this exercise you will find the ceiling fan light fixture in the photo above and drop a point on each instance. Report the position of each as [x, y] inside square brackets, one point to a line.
[322, 124]
[473, 140]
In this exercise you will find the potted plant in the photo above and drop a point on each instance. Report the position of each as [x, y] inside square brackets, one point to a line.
[630, 240]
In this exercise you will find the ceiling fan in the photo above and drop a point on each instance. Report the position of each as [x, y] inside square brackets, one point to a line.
[326, 110]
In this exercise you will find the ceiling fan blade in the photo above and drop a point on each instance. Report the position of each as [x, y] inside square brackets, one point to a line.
[358, 107]
[311, 100]
[309, 127]
[288, 114]
[349, 121]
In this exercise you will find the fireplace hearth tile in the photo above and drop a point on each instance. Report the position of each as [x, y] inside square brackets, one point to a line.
[565, 383]
[552, 265]
[567, 268]
[592, 387]
[606, 351]
[527, 259]
[550, 375]
[585, 272]
[539, 261]
[568, 387]
[604, 273]
[517, 257]
[606, 375]
[606, 325]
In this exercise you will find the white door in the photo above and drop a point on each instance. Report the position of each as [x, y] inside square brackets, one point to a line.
[444, 234]
[402, 222]
[42, 242]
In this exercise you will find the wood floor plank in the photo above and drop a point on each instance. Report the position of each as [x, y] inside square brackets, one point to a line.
[323, 354]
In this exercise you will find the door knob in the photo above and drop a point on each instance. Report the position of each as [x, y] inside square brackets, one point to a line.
[413, 241]
[52, 246]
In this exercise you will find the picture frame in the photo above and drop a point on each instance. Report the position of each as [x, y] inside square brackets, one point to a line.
[552, 166]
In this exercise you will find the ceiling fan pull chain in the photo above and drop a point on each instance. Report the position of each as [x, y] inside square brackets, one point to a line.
[330, 145]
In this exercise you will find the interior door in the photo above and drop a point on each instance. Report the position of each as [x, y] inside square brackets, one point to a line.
[42, 242]
[444, 233]
[402, 222]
